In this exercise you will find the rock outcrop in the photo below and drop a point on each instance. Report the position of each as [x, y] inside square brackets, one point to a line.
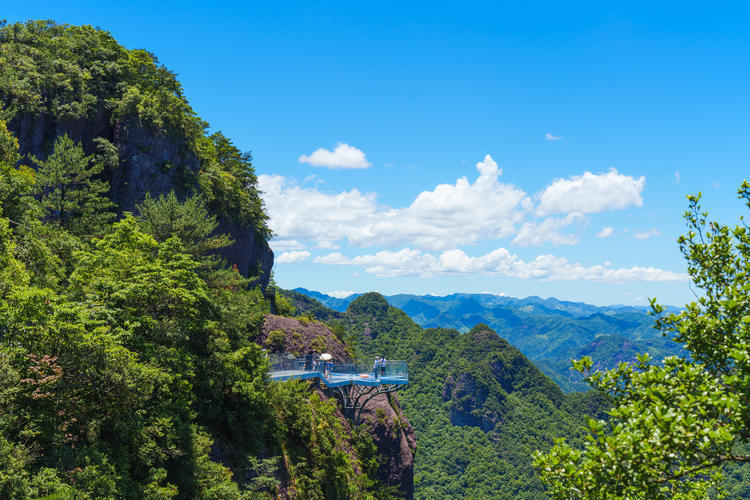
[391, 431]
[150, 162]
[467, 403]
[395, 439]
[299, 336]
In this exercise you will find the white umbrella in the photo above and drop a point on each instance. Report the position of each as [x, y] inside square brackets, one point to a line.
[325, 356]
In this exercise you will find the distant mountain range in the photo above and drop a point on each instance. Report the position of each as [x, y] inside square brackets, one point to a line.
[479, 407]
[550, 332]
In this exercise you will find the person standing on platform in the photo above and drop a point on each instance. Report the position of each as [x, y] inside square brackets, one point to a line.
[382, 367]
[376, 368]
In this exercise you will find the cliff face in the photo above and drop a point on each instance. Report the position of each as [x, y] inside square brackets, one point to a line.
[395, 439]
[150, 162]
[382, 418]
[300, 336]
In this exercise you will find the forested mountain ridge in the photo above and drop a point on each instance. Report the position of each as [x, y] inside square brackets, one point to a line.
[130, 111]
[132, 356]
[478, 406]
[550, 332]
[134, 335]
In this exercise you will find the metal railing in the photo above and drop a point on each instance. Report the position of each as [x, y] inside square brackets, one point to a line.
[285, 362]
[394, 368]
[281, 362]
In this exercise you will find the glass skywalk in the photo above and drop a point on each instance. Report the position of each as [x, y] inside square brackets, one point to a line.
[287, 366]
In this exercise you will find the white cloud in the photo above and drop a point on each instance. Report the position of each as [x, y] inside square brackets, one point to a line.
[334, 258]
[341, 294]
[534, 234]
[643, 235]
[306, 213]
[606, 232]
[677, 176]
[550, 137]
[343, 156]
[292, 257]
[283, 245]
[327, 245]
[591, 193]
[409, 262]
[448, 216]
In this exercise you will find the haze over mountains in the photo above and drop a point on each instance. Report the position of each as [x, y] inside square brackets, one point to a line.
[550, 332]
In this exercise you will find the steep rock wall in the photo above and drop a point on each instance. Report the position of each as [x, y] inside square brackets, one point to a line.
[150, 162]
[395, 439]
[391, 431]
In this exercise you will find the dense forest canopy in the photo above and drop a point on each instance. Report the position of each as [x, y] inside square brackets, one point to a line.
[69, 75]
[132, 355]
[130, 364]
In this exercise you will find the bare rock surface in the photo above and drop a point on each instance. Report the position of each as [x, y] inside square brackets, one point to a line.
[150, 162]
[301, 336]
[395, 439]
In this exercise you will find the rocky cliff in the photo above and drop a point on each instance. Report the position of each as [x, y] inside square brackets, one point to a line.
[395, 439]
[149, 162]
[382, 418]
[78, 80]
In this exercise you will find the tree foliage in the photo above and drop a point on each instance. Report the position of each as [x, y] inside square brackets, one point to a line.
[128, 361]
[672, 427]
[70, 193]
[74, 74]
[190, 221]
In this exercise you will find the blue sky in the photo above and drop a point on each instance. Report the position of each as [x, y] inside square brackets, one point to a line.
[593, 117]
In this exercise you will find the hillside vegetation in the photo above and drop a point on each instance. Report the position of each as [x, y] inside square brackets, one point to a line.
[550, 332]
[128, 112]
[478, 406]
[130, 363]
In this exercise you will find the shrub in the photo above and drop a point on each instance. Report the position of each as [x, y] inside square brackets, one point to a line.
[276, 340]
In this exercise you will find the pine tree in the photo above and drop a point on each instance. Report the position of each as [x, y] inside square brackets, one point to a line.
[70, 192]
[166, 216]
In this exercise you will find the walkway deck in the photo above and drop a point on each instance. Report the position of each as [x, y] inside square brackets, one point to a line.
[339, 379]
[353, 384]
[285, 367]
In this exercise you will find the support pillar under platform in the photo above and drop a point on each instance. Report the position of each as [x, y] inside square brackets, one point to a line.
[354, 397]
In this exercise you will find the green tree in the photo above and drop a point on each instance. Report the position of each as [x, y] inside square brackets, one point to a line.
[16, 183]
[190, 221]
[672, 427]
[228, 180]
[70, 192]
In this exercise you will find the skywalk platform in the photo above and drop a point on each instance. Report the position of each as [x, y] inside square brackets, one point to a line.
[338, 379]
[354, 384]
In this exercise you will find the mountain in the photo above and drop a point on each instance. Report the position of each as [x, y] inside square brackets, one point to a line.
[328, 301]
[133, 338]
[479, 407]
[123, 105]
[550, 332]
[529, 304]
